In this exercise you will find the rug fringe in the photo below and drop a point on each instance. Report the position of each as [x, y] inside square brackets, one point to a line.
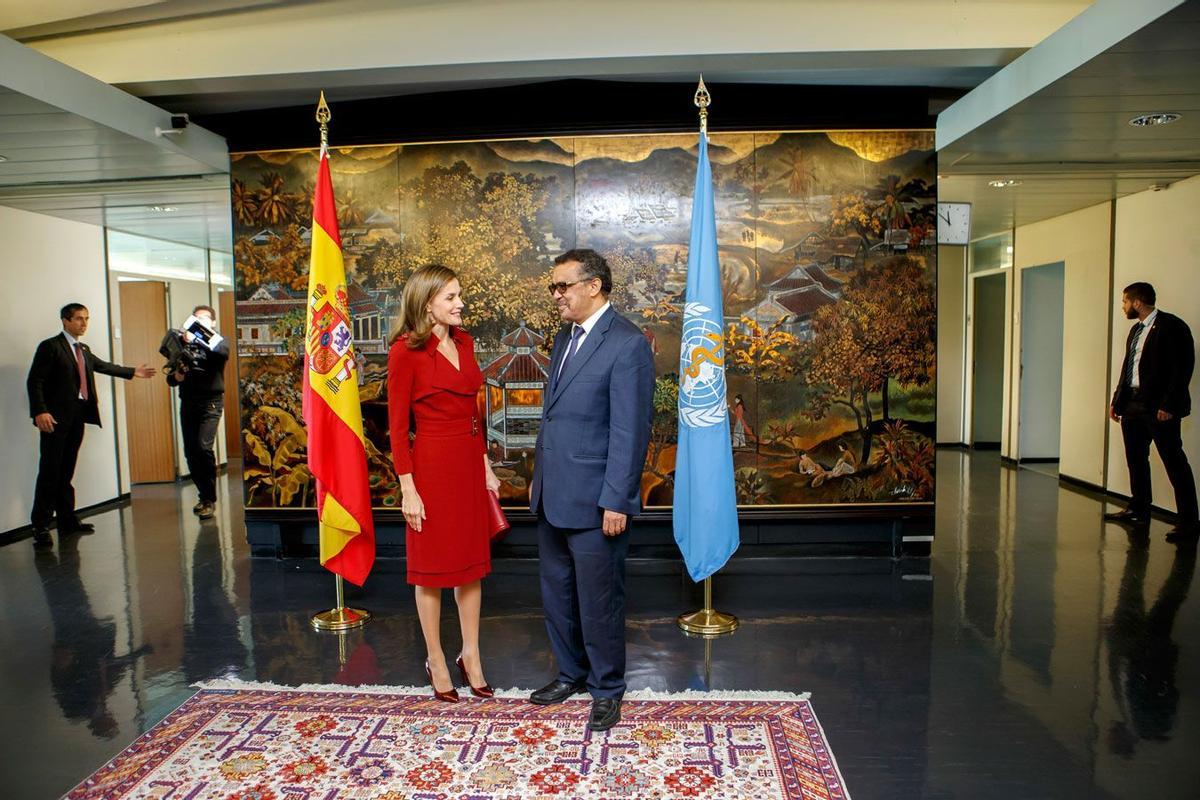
[640, 694]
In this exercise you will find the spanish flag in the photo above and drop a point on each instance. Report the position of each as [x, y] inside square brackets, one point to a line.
[337, 456]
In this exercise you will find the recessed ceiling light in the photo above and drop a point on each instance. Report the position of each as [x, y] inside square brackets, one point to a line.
[1003, 183]
[1161, 118]
[162, 209]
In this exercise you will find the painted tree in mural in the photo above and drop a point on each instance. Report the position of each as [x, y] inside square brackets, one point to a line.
[486, 230]
[635, 278]
[282, 260]
[245, 206]
[770, 354]
[852, 213]
[902, 300]
[275, 206]
[860, 344]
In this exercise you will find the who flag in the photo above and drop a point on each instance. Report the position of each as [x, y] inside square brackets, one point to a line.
[705, 505]
[337, 456]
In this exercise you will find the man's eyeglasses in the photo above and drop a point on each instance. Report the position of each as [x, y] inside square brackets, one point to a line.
[562, 286]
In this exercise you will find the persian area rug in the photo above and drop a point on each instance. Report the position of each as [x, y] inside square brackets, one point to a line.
[255, 742]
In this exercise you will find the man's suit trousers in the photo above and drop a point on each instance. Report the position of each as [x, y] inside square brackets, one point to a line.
[583, 592]
[54, 493]
[1140, 427]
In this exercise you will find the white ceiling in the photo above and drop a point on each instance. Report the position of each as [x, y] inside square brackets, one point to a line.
[1070, 145]
[86, 151]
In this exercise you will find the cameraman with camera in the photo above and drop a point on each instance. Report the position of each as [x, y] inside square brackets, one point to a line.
[197, 357]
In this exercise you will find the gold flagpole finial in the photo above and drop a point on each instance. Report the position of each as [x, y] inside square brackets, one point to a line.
[323, 117]
[703, 100]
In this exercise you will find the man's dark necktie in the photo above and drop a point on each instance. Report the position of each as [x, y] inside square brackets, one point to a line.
[1130, 356]
[576, 335]
[83, 387]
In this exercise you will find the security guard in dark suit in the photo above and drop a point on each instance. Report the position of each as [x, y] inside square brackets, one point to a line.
[1150, 400]
[62, 399]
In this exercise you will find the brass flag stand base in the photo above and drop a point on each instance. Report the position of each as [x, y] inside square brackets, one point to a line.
[708, 621]
[340, 618]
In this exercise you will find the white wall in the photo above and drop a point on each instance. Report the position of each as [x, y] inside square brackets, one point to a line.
[1157, 239]
[50, 262]
[951, 322]
[1081, 241]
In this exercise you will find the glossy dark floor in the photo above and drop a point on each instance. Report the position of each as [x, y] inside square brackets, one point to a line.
[1038, 654]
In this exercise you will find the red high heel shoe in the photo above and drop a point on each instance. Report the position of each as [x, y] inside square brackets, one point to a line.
[446, 697]
[479, 691]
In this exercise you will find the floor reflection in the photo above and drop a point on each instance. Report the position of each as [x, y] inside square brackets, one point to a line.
[1037, 653]
[84, 665]
[1143, 658]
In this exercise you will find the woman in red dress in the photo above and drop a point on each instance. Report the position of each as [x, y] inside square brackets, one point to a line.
[444, 471]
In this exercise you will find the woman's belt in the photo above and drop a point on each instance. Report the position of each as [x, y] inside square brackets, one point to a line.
[466, 426]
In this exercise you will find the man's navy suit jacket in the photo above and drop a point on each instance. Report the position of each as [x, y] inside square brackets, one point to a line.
[596, 419]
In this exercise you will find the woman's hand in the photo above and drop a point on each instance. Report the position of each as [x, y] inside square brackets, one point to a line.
[489, 478]
[414, 509]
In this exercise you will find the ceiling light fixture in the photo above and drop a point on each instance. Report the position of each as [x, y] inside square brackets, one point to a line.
[1003, 183]
[3, 158]
[162, 209]
[1160, 118]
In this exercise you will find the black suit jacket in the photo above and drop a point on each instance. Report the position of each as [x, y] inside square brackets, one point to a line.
[53, 381]
[1168, 358]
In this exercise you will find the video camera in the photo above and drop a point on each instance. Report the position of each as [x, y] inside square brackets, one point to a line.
[181, 355]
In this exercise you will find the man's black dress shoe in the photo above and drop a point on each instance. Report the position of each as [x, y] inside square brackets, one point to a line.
[1128, 516]
[555, 692]
[78, 527]
[41, 538]
[606, 712]
[1184, 532]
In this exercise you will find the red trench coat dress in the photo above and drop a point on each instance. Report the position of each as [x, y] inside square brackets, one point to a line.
[445, 458]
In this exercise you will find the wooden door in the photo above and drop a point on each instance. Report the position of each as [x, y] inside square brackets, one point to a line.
[147, 402]
[227, 322]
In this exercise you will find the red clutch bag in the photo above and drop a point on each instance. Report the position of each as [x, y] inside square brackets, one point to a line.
[496, 519]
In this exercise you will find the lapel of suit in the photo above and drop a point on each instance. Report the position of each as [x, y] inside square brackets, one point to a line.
[590, 344]
[558, 352]
[69, 353]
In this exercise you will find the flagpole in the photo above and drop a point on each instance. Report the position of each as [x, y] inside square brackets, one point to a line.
[707, 621]
[339, 618]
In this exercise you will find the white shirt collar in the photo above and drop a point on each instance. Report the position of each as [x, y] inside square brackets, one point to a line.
[71, 340]
[591, 321]
[1149, 320]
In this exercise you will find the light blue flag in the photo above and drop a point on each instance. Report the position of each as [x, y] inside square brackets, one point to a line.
[705, 506]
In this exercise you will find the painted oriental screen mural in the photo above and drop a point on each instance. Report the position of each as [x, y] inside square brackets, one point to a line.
[827, 255]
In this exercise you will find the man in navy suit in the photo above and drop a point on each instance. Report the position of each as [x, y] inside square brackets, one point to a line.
[1150, 400]
[62, 398]
[587, 477]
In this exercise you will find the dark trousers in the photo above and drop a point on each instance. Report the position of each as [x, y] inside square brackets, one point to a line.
[583, 594]
[1140, 427]
[54, 493]
[198, 420]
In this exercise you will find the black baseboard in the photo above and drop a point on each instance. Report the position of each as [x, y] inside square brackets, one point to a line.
[25, 531]
[1100, 494]
[1038, 460]
[985, 445]
[955, 446]
[895, 531]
